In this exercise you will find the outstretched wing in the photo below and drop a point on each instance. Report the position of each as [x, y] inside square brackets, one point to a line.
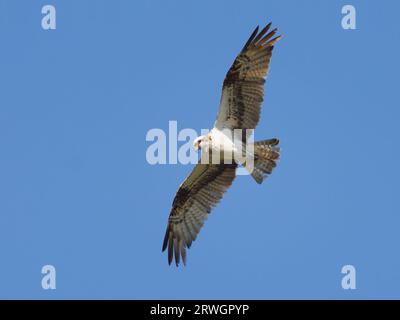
[196, 197]
[243, 88]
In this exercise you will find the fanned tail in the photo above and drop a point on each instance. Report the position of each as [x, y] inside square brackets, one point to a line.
[266, 155]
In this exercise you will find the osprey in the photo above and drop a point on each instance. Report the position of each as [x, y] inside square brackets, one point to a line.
[242, 96]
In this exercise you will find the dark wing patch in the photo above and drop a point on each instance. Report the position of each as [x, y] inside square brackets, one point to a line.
[195, 199]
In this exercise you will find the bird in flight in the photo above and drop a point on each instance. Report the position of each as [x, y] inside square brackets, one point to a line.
[238, 115]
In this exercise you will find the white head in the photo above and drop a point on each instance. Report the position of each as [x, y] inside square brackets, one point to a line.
[198, 143]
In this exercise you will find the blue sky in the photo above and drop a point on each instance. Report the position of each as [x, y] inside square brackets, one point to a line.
[77, 193]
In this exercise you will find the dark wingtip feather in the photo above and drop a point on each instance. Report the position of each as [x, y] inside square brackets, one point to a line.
[262, 38]
[271, 43]
[184, 255]
[165, 243]
[275, 141]
[170, 251]
[262, 32]
[251, 38]
[264, 41]
[177, 251]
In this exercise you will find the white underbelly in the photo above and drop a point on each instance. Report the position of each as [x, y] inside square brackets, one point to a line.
[225, 142]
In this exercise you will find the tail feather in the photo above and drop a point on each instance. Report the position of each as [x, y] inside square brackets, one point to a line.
[266, 155]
